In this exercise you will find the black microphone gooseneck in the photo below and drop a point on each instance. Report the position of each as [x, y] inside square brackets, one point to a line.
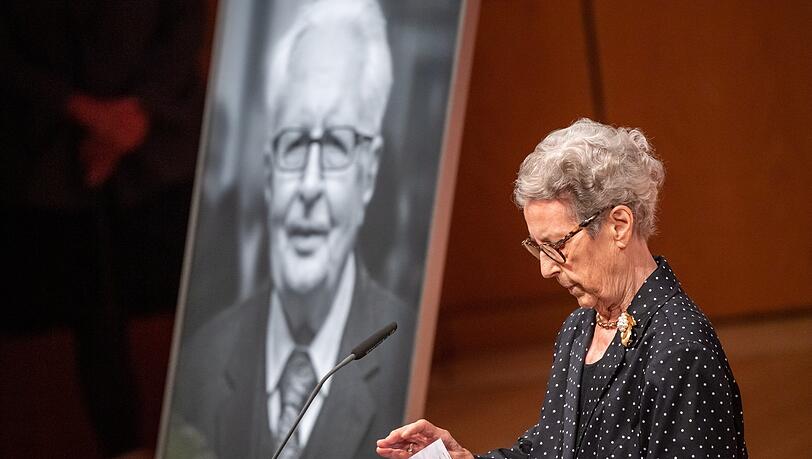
[357, 353]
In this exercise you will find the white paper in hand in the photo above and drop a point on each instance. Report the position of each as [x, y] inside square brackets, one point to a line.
[435, 450]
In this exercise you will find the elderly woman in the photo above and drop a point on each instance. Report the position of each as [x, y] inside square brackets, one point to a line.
[638, 370]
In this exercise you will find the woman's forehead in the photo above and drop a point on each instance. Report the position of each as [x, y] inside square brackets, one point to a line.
[548, 218]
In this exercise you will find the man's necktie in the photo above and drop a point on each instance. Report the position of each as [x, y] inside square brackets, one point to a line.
[297, 380]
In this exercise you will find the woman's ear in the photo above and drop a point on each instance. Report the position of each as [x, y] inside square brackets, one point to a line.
[620, 222]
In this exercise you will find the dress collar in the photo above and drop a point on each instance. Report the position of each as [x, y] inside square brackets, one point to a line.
[659, 286]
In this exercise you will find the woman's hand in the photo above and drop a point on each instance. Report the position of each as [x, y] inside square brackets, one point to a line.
[404, 442]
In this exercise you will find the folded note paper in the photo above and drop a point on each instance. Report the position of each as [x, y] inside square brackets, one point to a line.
[435, 450]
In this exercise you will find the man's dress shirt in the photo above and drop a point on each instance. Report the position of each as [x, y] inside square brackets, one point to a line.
[323, 351]
[671, 393]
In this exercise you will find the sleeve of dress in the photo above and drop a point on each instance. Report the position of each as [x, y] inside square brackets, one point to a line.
[690, 405]
[520, 450]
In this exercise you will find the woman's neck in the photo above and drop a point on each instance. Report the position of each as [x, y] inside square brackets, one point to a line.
[639, 264]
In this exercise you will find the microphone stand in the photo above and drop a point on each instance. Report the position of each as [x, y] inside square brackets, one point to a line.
[358, 352]
[310, 399]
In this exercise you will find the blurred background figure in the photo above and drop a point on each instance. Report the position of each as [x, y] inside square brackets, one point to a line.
[100, 117]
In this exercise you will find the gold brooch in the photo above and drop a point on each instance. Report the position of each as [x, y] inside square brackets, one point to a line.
[625, 323]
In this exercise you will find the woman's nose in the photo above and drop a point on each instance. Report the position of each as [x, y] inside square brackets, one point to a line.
[548, 267]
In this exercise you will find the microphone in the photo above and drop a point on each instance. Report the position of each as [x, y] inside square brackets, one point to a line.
[373, 341]
[357, 353]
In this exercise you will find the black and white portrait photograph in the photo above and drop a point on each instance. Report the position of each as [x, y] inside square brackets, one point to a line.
[315, 194]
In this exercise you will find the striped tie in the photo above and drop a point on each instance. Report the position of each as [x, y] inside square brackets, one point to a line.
[297, 380]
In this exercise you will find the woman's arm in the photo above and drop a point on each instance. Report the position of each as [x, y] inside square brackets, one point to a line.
[690, 404]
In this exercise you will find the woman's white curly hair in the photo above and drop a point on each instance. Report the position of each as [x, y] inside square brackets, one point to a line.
[593, 166]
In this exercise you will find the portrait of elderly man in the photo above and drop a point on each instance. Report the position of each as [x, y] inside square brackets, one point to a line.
[638, 370]
[245, 375]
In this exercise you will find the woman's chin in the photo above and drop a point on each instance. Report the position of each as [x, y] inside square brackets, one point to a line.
[585, 301]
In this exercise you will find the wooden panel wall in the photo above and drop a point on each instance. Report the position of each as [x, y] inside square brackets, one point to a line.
[723, 90]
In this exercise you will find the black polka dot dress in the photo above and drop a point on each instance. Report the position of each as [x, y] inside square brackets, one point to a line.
[670, 394]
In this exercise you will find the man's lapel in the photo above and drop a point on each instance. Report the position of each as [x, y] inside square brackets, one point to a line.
[243, 420]
[348, 410]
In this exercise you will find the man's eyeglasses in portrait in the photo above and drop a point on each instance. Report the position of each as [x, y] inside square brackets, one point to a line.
[338, 147]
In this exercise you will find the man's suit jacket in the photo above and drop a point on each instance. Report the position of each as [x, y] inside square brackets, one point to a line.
[220, 386]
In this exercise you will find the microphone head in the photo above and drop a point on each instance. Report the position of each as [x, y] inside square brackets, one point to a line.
[373, 341]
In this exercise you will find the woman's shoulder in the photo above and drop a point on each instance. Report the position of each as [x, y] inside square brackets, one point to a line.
[680, 322]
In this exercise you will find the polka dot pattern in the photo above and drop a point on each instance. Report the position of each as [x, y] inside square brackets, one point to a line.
[670, 394]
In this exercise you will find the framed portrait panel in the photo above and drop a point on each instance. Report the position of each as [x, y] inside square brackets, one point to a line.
[321, 210]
